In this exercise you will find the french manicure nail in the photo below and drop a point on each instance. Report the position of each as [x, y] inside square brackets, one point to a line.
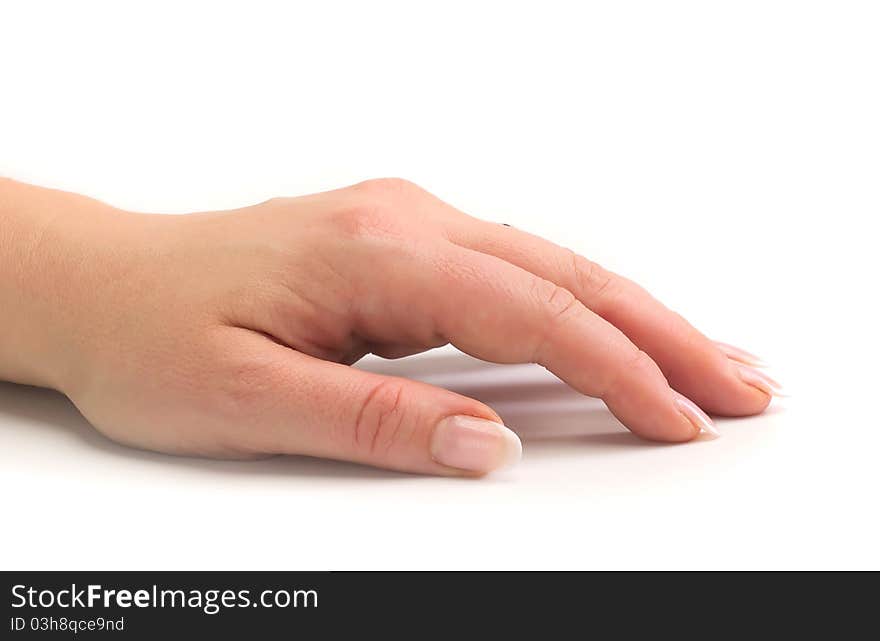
[760, 380]
[696, 416]
[474, 444]
[738, 354]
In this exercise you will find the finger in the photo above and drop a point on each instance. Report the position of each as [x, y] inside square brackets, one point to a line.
[297, 404]
[499, 312]
[692, 363]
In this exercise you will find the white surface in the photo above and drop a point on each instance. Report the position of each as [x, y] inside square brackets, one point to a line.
[724, 156]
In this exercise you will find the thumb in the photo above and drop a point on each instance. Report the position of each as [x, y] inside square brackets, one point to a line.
[319, 408]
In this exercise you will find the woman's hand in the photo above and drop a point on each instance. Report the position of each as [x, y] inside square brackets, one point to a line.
[229, 334]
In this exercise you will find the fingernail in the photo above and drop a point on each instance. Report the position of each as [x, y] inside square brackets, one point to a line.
[760, 380]
[696, 416]
[474, 444]
[740, 355]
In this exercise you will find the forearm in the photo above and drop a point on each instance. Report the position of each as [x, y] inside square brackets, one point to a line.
[46, 240]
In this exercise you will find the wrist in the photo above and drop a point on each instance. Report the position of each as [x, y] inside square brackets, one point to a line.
[52, 251]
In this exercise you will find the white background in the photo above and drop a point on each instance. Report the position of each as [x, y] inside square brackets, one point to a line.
[726, 155]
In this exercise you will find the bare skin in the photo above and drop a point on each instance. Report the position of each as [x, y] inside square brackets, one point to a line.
[229, 334]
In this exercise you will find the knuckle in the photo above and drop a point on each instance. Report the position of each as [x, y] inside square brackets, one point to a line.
[378, 426]
[388, 188]
[222, 407]
[245, 386]
[558, 302]
[376, 208]
[390, 184]
[639, 361]
[590, 277]
[364, 219]
[636, 365]
[559, 306]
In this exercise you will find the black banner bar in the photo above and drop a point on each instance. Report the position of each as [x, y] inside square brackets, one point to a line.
[314, 604]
